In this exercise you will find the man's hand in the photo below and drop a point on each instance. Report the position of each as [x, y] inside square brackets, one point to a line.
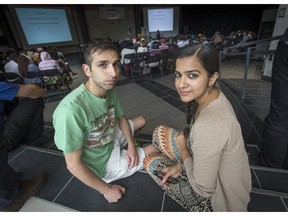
[132, 156]
[114, 193]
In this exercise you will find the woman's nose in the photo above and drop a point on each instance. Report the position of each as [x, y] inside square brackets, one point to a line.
[182, 82]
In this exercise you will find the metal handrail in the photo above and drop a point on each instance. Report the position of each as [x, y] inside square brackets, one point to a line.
[248, 54]
[282, 37]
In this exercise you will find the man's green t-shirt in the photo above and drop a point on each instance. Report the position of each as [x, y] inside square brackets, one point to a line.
[82, 120]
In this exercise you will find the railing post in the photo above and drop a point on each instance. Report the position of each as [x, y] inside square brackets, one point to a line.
[219, 69]
[246, 72]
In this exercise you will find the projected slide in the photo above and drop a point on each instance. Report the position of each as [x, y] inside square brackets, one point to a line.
[42, 26]
[160, 19]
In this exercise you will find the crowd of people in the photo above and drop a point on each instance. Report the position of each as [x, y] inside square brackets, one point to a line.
[218, 40]
[132, 45]
[22, 117]
[26, 63]
[204, 167]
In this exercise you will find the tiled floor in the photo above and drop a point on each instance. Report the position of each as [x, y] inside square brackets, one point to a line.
[158, 101]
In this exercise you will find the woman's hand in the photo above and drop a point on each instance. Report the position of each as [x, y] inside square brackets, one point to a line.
[173, 171]
[181, 142]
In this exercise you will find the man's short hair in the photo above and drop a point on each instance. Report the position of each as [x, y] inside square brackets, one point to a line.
[98, 45]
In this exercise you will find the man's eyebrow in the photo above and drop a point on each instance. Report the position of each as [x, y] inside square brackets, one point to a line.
[106, 61]
[102, 61]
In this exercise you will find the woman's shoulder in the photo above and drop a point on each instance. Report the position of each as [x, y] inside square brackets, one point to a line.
[220, 112]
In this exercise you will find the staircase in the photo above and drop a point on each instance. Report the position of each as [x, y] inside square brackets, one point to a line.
[270, 185]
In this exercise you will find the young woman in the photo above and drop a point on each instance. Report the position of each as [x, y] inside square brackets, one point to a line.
[205, 167]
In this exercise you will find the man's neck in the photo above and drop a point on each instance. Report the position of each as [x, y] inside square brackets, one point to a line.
[96, 90]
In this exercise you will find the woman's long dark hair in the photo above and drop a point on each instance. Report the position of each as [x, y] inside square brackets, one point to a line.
[209, 58]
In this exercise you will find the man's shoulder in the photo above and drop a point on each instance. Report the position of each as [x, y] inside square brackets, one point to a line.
[74, 97]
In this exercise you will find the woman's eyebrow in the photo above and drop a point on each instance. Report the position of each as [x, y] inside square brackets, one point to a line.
[191, 71]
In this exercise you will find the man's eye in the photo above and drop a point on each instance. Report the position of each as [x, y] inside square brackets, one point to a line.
[103, 65]
[117, 65]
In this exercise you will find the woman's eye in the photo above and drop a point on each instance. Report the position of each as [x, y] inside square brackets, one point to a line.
[193, 76]
[177, 74]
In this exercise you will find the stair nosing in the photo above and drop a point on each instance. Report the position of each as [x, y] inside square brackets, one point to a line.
[269, 192]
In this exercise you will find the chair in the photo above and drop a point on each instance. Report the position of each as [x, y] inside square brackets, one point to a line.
[137, 64]
[126, 66]
[53, 81]
[153, 61]
[11, 77]
[33, 75]
[167, 61]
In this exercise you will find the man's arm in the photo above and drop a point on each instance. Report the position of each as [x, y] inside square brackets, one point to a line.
[112, 193]
[131, 154]
[30, 91]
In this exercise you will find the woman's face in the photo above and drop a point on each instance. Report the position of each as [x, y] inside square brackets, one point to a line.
[191, 79]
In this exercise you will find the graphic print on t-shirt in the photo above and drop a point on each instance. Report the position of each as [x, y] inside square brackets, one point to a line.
[102, 129]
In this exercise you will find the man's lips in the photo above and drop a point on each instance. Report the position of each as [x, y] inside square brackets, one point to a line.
[111, 82]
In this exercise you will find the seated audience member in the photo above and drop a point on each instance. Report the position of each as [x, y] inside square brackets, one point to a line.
[47, 63]
[217, 38]
[92, 130]
[25, 65]
[60, 58]
[24, 125]
[143, 47]
[150, 42]
[205, 167]
[173, 48]
[163, 46]
[36, 55]
[11, 65]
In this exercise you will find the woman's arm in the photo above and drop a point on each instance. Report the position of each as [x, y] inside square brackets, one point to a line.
[208, 141]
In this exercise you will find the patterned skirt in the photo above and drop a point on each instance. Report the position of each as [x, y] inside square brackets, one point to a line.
[181, 192]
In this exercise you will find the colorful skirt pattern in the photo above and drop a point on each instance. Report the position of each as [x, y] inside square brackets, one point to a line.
[181, 192]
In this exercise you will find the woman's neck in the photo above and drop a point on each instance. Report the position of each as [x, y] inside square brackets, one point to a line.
[211, 96]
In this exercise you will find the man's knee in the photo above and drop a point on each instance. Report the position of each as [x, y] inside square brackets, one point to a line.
[139, 122]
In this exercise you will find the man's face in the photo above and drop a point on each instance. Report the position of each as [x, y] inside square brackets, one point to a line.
[104, 71]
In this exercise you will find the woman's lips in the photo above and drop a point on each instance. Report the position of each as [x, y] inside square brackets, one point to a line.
[184, 93]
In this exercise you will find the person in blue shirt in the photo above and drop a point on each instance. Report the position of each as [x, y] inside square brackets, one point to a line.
[23, 125]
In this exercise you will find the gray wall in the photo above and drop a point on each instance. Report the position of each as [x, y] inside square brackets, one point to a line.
[117, 29]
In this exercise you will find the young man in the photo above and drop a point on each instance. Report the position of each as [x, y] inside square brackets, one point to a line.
[91, 129]
[24, 124]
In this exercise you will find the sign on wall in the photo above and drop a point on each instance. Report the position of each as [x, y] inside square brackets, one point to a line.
[112, 13]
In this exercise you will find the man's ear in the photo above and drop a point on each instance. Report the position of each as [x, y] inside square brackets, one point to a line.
[86, 69]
